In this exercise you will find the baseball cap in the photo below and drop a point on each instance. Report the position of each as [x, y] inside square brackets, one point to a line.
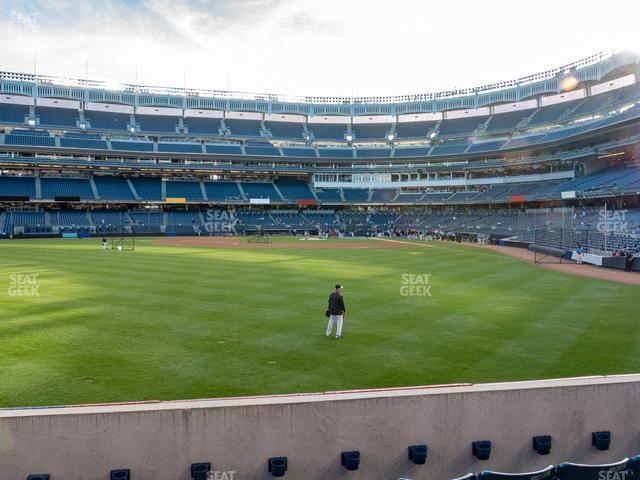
[338, 285]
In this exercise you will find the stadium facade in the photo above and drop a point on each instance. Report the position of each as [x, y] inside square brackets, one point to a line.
[83, 156]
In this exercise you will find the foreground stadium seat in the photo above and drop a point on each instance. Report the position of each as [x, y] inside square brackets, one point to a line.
[634, 466]
[468, 476]
[39, 476]
[548, 472]
[578, 471]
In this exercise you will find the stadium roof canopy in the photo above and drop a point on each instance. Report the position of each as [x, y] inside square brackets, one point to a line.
[584, 71]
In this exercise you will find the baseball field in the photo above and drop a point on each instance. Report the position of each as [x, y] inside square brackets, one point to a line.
[181, 318]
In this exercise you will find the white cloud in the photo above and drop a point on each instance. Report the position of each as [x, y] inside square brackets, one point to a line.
[323, 47]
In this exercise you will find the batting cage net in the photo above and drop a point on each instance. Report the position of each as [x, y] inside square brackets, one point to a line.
[123, 243]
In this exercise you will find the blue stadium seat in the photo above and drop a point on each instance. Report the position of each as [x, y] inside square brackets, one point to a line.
[370, 131]
[373, 152]
[408, 197]
[146, 218]
[228, 149]
[29, 140]
[66, 187]
[294, 190]
[462, 196]
[287, 130]
[188, 190]
[17, 186]
[181, 217]
[559, 134]
[502, 122]
[83, 135]
[329, 195]
[523, 141]
[634, 466]
[85, 143]
[414, 129]
[10, 113]
[435, 197]
[104, 218]
[322, 219]
[260, 190]
[243, 128]
[412, 152]
[487, 146]
[335, 152]
[107, 120]
[383, 195]
[548, 472]
[356, 194]
[298, 152]
[132, 146]
[113, 188]
[594, 104]
[69, 218]
[147, 188]
[328, 131]
[179, 147]
[157, 123]
[59, 117]
[453, 147]
[30, 131]
[203, 126]
[222, 191]
[22, 219]
[461, 126]
[261, 148]
[578, 471]
[552, 113]
[468, 476]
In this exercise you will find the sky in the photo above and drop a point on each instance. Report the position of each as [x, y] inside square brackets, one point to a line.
[309, 47]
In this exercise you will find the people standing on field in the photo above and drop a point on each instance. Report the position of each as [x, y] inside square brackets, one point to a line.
[336, 311]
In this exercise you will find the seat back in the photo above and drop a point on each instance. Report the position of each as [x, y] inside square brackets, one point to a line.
[606, 471]
[548, 472]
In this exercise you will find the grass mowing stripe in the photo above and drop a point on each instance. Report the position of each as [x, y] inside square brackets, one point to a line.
[172, 322]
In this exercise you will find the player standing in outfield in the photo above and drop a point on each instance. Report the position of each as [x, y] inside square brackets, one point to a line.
[104, 243]
[336, 311]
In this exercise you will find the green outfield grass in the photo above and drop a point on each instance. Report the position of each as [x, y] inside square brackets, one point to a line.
[168, 322]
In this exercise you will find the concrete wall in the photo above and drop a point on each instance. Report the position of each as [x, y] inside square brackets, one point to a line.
[160, 440]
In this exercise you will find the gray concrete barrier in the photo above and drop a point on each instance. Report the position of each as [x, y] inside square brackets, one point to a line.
[160, 440]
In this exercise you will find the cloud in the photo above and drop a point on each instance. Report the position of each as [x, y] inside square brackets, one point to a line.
[306, 22]
[306, 47]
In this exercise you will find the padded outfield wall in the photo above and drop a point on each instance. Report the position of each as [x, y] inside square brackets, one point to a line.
[159, 440]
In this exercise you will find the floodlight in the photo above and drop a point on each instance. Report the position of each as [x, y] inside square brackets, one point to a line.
[568, 83]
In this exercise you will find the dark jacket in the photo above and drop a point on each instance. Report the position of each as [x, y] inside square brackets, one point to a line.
[336, 304]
